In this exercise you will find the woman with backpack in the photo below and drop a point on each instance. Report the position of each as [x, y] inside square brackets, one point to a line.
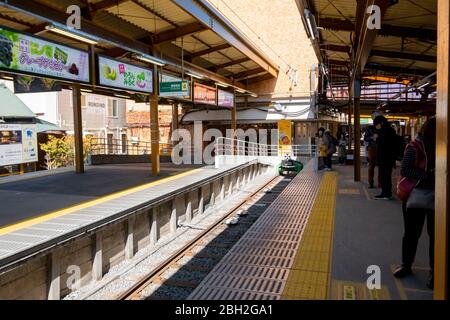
[416, 190]
[331, 144]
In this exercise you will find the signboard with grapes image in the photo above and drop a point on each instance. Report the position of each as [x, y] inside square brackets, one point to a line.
[24, 54]
[120, 75]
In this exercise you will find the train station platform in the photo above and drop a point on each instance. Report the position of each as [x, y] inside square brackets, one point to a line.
[317, 241]
[40, 193]
[105, 195]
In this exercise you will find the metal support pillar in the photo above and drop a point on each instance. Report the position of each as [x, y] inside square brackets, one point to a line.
[233, 122]
[78, 128]
[442, 203]
[154, 124]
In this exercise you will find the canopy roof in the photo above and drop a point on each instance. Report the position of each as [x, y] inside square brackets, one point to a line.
[191, 30]
[404, 48]
[45, 126]
[11, 106]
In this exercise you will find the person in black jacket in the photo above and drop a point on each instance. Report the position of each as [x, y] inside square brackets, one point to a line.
[414, 219]
[386, 156]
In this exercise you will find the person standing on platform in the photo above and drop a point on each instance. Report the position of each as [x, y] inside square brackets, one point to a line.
[331, 144]
[342, 150]
[323, 148]
[370, 140]
[386, 156]
[416, 189]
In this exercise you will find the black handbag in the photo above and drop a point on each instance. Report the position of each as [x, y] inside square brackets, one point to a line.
[421, 199]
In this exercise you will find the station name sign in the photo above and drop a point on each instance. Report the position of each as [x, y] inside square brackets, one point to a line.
[26, 54]
[119, 75]
[225, 99]
[204, 94]
[174, 89]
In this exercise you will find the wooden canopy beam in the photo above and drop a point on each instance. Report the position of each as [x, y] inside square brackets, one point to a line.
[229, 64]
[403, 55]
[178, 32]
[386, 29]
[210, 50]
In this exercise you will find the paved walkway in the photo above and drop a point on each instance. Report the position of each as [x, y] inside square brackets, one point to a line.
[317, 241]
[369, 232]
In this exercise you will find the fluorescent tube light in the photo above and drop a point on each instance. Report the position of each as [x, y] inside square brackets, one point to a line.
[311, 32]
[71, 33]
[149, 59]
[121, 96]
[223, 85]
[424, 85]
[241, 91]
[86, 90]
[8, 78]
[193, 75]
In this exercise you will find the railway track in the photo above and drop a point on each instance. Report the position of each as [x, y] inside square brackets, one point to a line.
[180, 274]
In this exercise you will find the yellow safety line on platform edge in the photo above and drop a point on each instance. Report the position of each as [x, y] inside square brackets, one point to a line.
[309, 277]
[83, 205]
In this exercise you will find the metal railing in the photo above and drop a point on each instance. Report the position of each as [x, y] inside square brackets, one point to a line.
[105, 146]
[227, 146]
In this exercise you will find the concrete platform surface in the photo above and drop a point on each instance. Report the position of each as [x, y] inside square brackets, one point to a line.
[369, 232]
[30, 235]
[28, 198]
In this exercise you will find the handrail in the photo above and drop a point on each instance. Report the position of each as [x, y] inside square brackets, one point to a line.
[228, 146]
[105, 146]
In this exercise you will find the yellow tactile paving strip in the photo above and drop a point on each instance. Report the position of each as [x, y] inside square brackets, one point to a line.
[347, 290]
[309, 277]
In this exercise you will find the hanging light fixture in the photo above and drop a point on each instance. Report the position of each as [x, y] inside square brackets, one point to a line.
[71, 33]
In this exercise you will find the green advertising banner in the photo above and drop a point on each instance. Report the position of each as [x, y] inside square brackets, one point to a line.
[120, 75]
[174, 89]
[24, 54]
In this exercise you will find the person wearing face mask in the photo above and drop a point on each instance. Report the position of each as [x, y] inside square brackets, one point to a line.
[386, 155]
[416, 190]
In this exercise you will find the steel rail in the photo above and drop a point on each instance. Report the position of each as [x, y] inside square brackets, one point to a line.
[133, 292]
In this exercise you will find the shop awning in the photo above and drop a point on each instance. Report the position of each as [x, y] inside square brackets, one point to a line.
[43, 126]
[11, 106]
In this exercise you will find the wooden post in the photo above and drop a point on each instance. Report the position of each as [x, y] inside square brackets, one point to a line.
[174, 117]
[78, 128]
[350, 138]
[442, 206]
[357, 131]
[154, 124]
